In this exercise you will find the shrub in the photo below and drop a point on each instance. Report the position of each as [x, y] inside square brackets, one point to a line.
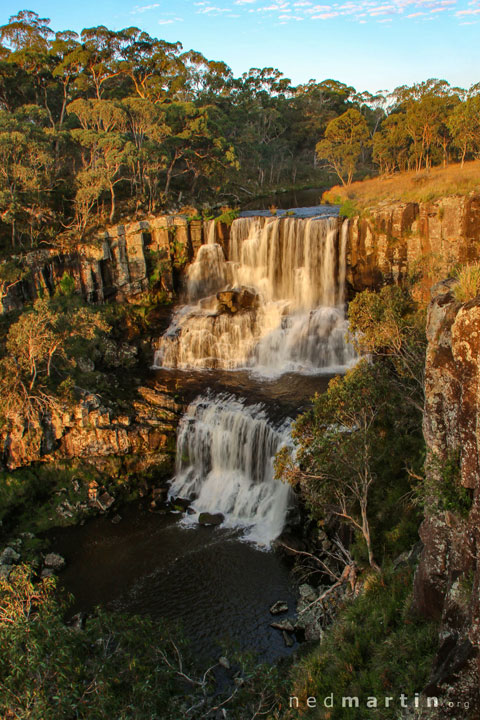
[468, 283]
[228, 216]
[377, 647]
[111, 668]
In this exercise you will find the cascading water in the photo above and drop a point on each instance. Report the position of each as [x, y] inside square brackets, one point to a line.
[276, 305]
[296, 268]
[225, 453]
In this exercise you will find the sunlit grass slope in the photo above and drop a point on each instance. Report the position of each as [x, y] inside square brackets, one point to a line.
[409, 186]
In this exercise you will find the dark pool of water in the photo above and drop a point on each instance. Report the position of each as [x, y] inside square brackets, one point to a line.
[218, 587]
[284, 396]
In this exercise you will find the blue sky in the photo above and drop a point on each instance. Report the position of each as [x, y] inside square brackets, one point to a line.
[370, 44]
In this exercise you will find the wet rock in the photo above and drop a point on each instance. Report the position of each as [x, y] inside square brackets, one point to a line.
[105, 501]
[54, 561]
[210, 518]
[279, 607]
[236, 300]
[5, 571]
[287, 639]
[284, 625]
[9, 556]
[116, 519]
[180, 504]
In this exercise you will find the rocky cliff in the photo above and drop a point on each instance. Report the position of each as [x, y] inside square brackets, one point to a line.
[389, 242]
[114, 265]
[146, 435]
[447, 583]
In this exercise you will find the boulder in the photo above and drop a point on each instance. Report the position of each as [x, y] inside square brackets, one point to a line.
[279, 607]
[284, 625]
[54, 561]
[9, 556]
[85, 364]
[180, 504]
[105, 501]
[210, 518]
[236, 300]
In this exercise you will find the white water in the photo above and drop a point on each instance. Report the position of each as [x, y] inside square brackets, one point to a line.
[225, 448]
[297, 267]
[225, 453]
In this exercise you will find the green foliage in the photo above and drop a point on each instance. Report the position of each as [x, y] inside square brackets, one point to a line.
[348, 209]
[390, 324]
[442, 486]
[66, 285]
[30, 496]
[350, 458]
[228, 216]
[377, 647]
[42, 346]
[111, 668]
[345, 138]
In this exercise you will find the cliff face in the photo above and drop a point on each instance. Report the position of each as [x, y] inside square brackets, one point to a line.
[391, 241]
[116, 264]
[447, 583]
[90, 430]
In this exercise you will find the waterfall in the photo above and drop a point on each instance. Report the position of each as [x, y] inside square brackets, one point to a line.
[296, 268]
[225, 453]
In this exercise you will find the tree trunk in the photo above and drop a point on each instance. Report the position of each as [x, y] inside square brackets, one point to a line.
[112, 211]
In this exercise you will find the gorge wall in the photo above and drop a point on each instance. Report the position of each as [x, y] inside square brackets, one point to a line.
[447, 582]
[384, 244]
[115, 265]
[93, 430]
[392, 240]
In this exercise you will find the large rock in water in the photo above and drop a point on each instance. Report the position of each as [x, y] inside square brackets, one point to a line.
[236, 300]
[206, 518]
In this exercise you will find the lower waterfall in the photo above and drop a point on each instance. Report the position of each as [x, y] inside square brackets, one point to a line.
[225, 454]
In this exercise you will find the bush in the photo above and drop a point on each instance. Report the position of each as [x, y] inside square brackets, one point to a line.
[111, 668]
[377, 647]
[228, 216]
[468, 283]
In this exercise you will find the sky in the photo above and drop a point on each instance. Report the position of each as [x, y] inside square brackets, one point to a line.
[370, 44]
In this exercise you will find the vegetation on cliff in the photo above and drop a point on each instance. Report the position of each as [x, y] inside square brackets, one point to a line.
[359, 454]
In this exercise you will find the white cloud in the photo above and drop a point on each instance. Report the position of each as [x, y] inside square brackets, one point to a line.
[144, 8]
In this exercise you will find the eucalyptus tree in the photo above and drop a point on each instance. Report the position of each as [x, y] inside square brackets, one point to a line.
[345, 136]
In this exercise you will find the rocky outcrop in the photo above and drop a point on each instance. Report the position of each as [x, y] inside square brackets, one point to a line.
[390, 241]
[116, 264]
[236, 300]
[92, 430]
[447, 582]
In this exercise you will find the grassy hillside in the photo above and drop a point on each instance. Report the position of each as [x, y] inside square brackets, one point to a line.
[409, 186]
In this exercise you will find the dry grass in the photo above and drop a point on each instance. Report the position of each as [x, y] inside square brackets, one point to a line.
[409, 186]
[468, 285]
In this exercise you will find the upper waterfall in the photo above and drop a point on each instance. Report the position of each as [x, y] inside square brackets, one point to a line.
[294, 320]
